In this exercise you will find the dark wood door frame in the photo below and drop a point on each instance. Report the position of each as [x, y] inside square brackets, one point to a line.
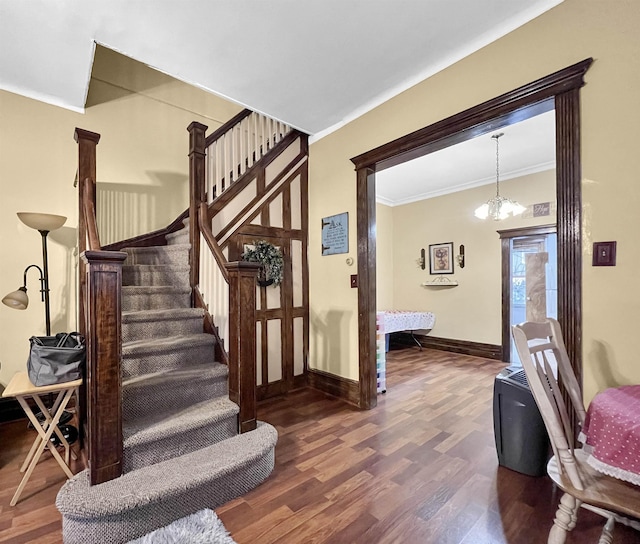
[560, 90]
[505, 241]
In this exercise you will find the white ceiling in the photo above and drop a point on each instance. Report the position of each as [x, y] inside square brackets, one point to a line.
[314, 64]
[525, 148]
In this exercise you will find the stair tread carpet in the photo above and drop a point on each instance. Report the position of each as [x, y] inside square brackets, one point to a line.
[155, 249]
[177, 432]
[155, 274]
[135, 316]
[153, 289]
[143, 500]
[173, 378]
[171, 254]
[159, 425]
[170, 480]
[169, 343]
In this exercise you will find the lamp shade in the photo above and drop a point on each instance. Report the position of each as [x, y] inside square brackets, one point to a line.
[42, 221]
[18, 300]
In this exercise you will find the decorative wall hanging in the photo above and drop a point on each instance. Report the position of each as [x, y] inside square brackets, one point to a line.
[270, 257]
[335, 234]
[441, 258]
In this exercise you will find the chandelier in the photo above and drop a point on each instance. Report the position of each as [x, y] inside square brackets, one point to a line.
[498, 207]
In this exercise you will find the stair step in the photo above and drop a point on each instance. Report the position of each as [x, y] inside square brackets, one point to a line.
[165, 436]
[161, 323]
[173, 254]
[164, 392]
[150, 356]
[176, 275]
[149, 498]
[136, 298]
[178, 237]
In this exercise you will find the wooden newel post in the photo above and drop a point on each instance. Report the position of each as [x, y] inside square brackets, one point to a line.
[104, 357]
[87, 142]
[242, 341]
[197, 195]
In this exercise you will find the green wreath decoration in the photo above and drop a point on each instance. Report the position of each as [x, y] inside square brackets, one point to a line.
[271, 259]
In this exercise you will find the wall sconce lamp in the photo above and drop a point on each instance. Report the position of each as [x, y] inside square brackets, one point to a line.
[421, 261]
[460, 256]
[18, 300]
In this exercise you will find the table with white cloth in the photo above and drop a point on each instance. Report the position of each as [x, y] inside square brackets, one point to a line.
[397, 321]
[403, 320]
[611, 433]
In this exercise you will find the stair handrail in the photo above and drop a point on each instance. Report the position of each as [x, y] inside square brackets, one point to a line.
[212, 243]
[99, 309]
[89, 210]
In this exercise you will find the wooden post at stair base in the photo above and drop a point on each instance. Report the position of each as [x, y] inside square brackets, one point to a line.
[104, 357]
[87, 142]
[242, 341]
[197, 195]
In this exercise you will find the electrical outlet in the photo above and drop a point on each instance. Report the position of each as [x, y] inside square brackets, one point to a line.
[354, 280]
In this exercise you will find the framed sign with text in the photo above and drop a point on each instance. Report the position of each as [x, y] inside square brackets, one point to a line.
[335, 234]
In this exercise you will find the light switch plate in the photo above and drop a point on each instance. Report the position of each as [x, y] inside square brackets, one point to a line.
[354, 280]
[604, 254]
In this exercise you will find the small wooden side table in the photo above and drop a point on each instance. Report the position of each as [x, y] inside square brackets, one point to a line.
[21, 388]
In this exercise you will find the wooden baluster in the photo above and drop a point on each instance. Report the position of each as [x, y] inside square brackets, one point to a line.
[103, 373]
[196, 196]
[209, 173]
[243, 146]
[256, 138]
[235, 143]
[219, 172]
[242, 341]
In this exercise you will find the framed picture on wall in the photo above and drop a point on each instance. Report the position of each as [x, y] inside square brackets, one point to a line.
[441, 258]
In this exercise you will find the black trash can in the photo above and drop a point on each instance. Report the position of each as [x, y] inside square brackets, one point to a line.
[521, 438]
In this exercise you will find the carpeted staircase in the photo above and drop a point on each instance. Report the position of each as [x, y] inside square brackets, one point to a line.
[182, 452]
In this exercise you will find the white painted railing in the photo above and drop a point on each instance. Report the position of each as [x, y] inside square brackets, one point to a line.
[236, 150]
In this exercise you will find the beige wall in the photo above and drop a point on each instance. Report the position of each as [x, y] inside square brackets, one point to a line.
[472, 310]
[142, 116]
[571, 32]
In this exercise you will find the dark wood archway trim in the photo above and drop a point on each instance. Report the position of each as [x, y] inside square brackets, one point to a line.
[563, 87]
[510, 103]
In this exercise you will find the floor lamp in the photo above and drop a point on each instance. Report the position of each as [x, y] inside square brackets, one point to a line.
[43, 223]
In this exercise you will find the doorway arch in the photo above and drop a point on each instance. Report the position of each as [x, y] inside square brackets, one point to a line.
[560, 90]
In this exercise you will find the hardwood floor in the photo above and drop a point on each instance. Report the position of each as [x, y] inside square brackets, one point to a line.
[419, 468]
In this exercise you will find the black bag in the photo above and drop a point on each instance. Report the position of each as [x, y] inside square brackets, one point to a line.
[56, 359]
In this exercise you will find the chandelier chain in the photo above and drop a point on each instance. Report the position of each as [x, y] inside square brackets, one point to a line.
[496, 137]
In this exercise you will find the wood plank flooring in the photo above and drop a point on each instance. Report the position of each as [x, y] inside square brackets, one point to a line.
[419, 468]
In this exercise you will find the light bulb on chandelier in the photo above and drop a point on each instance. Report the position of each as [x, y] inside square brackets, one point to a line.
[498, 207]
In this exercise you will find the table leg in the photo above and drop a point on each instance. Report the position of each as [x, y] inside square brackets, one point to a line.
[44, 442]
[416, 340]
[58, 432]
[47, 416]
[65, 466]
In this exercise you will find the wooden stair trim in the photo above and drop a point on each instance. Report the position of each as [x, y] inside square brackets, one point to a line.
[154, 238]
